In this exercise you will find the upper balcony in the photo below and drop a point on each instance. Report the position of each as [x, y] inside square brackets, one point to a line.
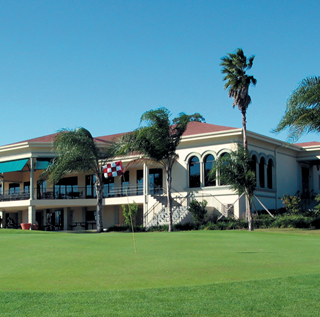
[75, 192]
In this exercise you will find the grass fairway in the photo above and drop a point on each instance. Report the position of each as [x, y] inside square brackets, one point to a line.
[198, 273]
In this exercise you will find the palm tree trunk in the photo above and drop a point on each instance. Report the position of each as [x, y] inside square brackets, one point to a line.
[169, 199]
[99, 191]
[244, 127]
[245, 145]
[249, 213]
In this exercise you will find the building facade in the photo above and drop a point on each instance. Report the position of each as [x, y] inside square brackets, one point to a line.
[280, 169]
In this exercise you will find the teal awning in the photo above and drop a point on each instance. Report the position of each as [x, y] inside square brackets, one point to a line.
[42, 163]
[13, 166]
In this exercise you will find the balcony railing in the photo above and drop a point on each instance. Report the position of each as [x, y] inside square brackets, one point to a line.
[80, 193]
[88, 193]
[9, 195]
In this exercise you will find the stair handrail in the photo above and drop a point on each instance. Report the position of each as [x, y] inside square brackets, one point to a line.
[159, 202]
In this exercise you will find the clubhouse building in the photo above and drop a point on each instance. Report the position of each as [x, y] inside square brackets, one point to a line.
[280, 169]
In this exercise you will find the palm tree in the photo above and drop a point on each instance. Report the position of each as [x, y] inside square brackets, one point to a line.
[158, 140]
[234, 66]
[302, 114]
[78, 152]
[235, 169]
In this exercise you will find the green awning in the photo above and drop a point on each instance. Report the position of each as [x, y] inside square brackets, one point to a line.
[12, 166]
[42, 163]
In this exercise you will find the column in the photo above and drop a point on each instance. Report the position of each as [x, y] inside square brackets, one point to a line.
[145, 189]
[66, 211]
[201, 164]
[31, 214]
[31, 177]
[145, 179]
[3, 216]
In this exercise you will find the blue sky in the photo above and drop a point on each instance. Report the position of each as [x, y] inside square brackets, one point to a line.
[101, 64]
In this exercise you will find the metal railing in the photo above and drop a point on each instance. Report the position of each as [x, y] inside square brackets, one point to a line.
[161, 199]
[85, 193]
[9, 195]
[75, 192]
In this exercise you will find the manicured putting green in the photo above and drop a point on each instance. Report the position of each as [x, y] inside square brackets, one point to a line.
[203, 272]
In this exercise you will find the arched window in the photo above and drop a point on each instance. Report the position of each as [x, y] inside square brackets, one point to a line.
[253, 165]
[261, 171]
[194, 172]
[269, 173]
[208, 162]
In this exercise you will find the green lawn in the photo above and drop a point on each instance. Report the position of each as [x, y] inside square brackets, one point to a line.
[199, 273]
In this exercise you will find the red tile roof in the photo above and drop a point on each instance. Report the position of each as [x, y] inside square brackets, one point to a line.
[42, 139]
[200, 127]
[108, 138]
[306, 144]
[192, 129]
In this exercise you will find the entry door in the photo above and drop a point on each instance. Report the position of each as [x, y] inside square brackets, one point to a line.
[39, 218]
[305, 182]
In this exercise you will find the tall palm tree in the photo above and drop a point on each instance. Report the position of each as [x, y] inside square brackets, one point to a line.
[158, 140]
[78, 152]
[235, 170]
[302, 114]
[234, 66]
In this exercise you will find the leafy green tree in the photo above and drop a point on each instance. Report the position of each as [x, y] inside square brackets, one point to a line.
[302, 113]
[129, 213]
[79, 153]
[198, 211]
[157, 139]
[234, 66]
[235, 170]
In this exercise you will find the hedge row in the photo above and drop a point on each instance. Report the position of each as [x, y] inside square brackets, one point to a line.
[263, 222]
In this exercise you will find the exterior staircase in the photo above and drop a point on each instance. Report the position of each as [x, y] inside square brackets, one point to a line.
[179, 210]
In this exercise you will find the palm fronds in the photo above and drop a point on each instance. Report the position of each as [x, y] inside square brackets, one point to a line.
[302, 113]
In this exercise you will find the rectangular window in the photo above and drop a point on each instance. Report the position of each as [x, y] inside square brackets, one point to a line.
[66, 187]
[108, 188]
[90, 188]
[41, 189]
[125, 184]
[26, 186]
[139, 182]
[155, 181]
[14, 188]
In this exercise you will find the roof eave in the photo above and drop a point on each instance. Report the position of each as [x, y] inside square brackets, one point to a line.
[208, 135]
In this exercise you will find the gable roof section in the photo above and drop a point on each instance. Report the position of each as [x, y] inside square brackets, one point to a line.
[42, 139]
[193, 128]
[308, 144]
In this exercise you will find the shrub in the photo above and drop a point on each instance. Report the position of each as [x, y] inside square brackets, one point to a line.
[129, 212]
[291, 203]
[198, 211]
[122, 228]
[211, 226]
[315, 213]
[126, 228]
[158, 228]
[185, 227]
